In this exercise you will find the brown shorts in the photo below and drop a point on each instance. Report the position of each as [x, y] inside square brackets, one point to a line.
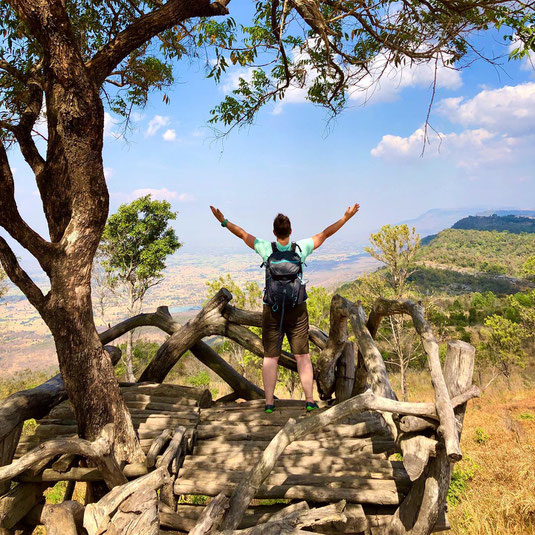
[294, 326]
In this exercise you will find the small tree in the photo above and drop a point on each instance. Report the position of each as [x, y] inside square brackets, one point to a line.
[135, 243]
[396, 246]
[503, 346]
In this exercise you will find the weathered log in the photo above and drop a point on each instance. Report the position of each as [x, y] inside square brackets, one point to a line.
[98, 451]
[210, 515]
[167, 393]
[8, 445]
[416, 451]
[345, 373]
[250, 431]
[188, 335]
[18, 502]
[448, 428]
[298, 473]
[162, 319]
[81, 474]
[172, 450]
[137, 514]
[377, 376]
[415, 424]
[296, 519]
[233, 396]
[37, 402]
[422, 507]
[399, 481]
[293, 430]
[386, 494]
[63, 518]
[374, 444]
[328, 358]
[97, 515]
[168, 496]
[319, 462]
[157, 446]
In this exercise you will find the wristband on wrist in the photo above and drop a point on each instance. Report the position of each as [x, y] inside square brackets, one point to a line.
[224, 223]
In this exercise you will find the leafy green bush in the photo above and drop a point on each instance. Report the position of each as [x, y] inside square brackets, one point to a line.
[201, 379]
[460, 479]
[482, 437]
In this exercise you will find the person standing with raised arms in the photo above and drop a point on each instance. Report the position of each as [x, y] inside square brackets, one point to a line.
[285, 309]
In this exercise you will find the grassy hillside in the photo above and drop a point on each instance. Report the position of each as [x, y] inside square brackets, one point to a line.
[428, 281]
[497, 253]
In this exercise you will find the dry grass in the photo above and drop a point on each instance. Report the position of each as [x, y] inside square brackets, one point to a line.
[494, 484]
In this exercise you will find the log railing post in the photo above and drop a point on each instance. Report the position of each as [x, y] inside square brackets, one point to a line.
[426, 500]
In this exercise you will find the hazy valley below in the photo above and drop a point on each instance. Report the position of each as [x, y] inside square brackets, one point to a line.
[26, 342]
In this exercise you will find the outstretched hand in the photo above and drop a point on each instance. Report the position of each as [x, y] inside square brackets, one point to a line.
[351, 211]
[217, 214]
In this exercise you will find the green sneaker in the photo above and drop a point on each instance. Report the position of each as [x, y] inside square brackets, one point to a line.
[269, 408]
[311, 406]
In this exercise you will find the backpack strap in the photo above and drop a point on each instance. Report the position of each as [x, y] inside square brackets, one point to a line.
[274, 247]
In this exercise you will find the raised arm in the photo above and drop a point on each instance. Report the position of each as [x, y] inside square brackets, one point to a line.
[237, 231]
[318, 239]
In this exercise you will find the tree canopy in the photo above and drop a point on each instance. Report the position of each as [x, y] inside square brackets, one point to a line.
[136, 242]
[330, 48]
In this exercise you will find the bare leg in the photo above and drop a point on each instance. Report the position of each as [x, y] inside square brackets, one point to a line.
[306, 375]
[269, 375]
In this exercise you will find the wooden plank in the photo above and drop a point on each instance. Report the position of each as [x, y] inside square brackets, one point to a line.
[190, 469]
[300, 447]
[342, 480]
[386, 493]
[317, 462]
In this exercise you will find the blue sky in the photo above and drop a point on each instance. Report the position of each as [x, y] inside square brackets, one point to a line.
[294, 161]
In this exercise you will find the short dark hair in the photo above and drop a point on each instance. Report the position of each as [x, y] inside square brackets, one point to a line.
[282, 226]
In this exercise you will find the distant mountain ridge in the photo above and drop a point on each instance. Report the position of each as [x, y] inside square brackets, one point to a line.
[437, 219]
[515, 224]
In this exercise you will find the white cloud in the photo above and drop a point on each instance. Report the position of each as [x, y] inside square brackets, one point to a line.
[499, 131]
[169, 135]
[508, 109]
[108, 172]
[109, 124]
[159, 194]
[157, 122]
[384, 83]
[469, 149]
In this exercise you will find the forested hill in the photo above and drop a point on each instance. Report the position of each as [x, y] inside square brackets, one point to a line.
[492, 252]
[514, 224]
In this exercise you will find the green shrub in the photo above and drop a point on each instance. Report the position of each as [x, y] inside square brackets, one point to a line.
[460, 479]
[526, 416]
[202, 379]
[482, 437]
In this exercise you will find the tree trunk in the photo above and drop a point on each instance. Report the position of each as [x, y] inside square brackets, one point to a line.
[87, 369]
[129, 357]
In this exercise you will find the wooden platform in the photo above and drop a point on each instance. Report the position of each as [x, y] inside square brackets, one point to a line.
[348, 461]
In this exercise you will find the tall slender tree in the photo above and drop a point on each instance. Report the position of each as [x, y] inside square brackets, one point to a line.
[61, 60]
[136, 241]
[396, 246]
